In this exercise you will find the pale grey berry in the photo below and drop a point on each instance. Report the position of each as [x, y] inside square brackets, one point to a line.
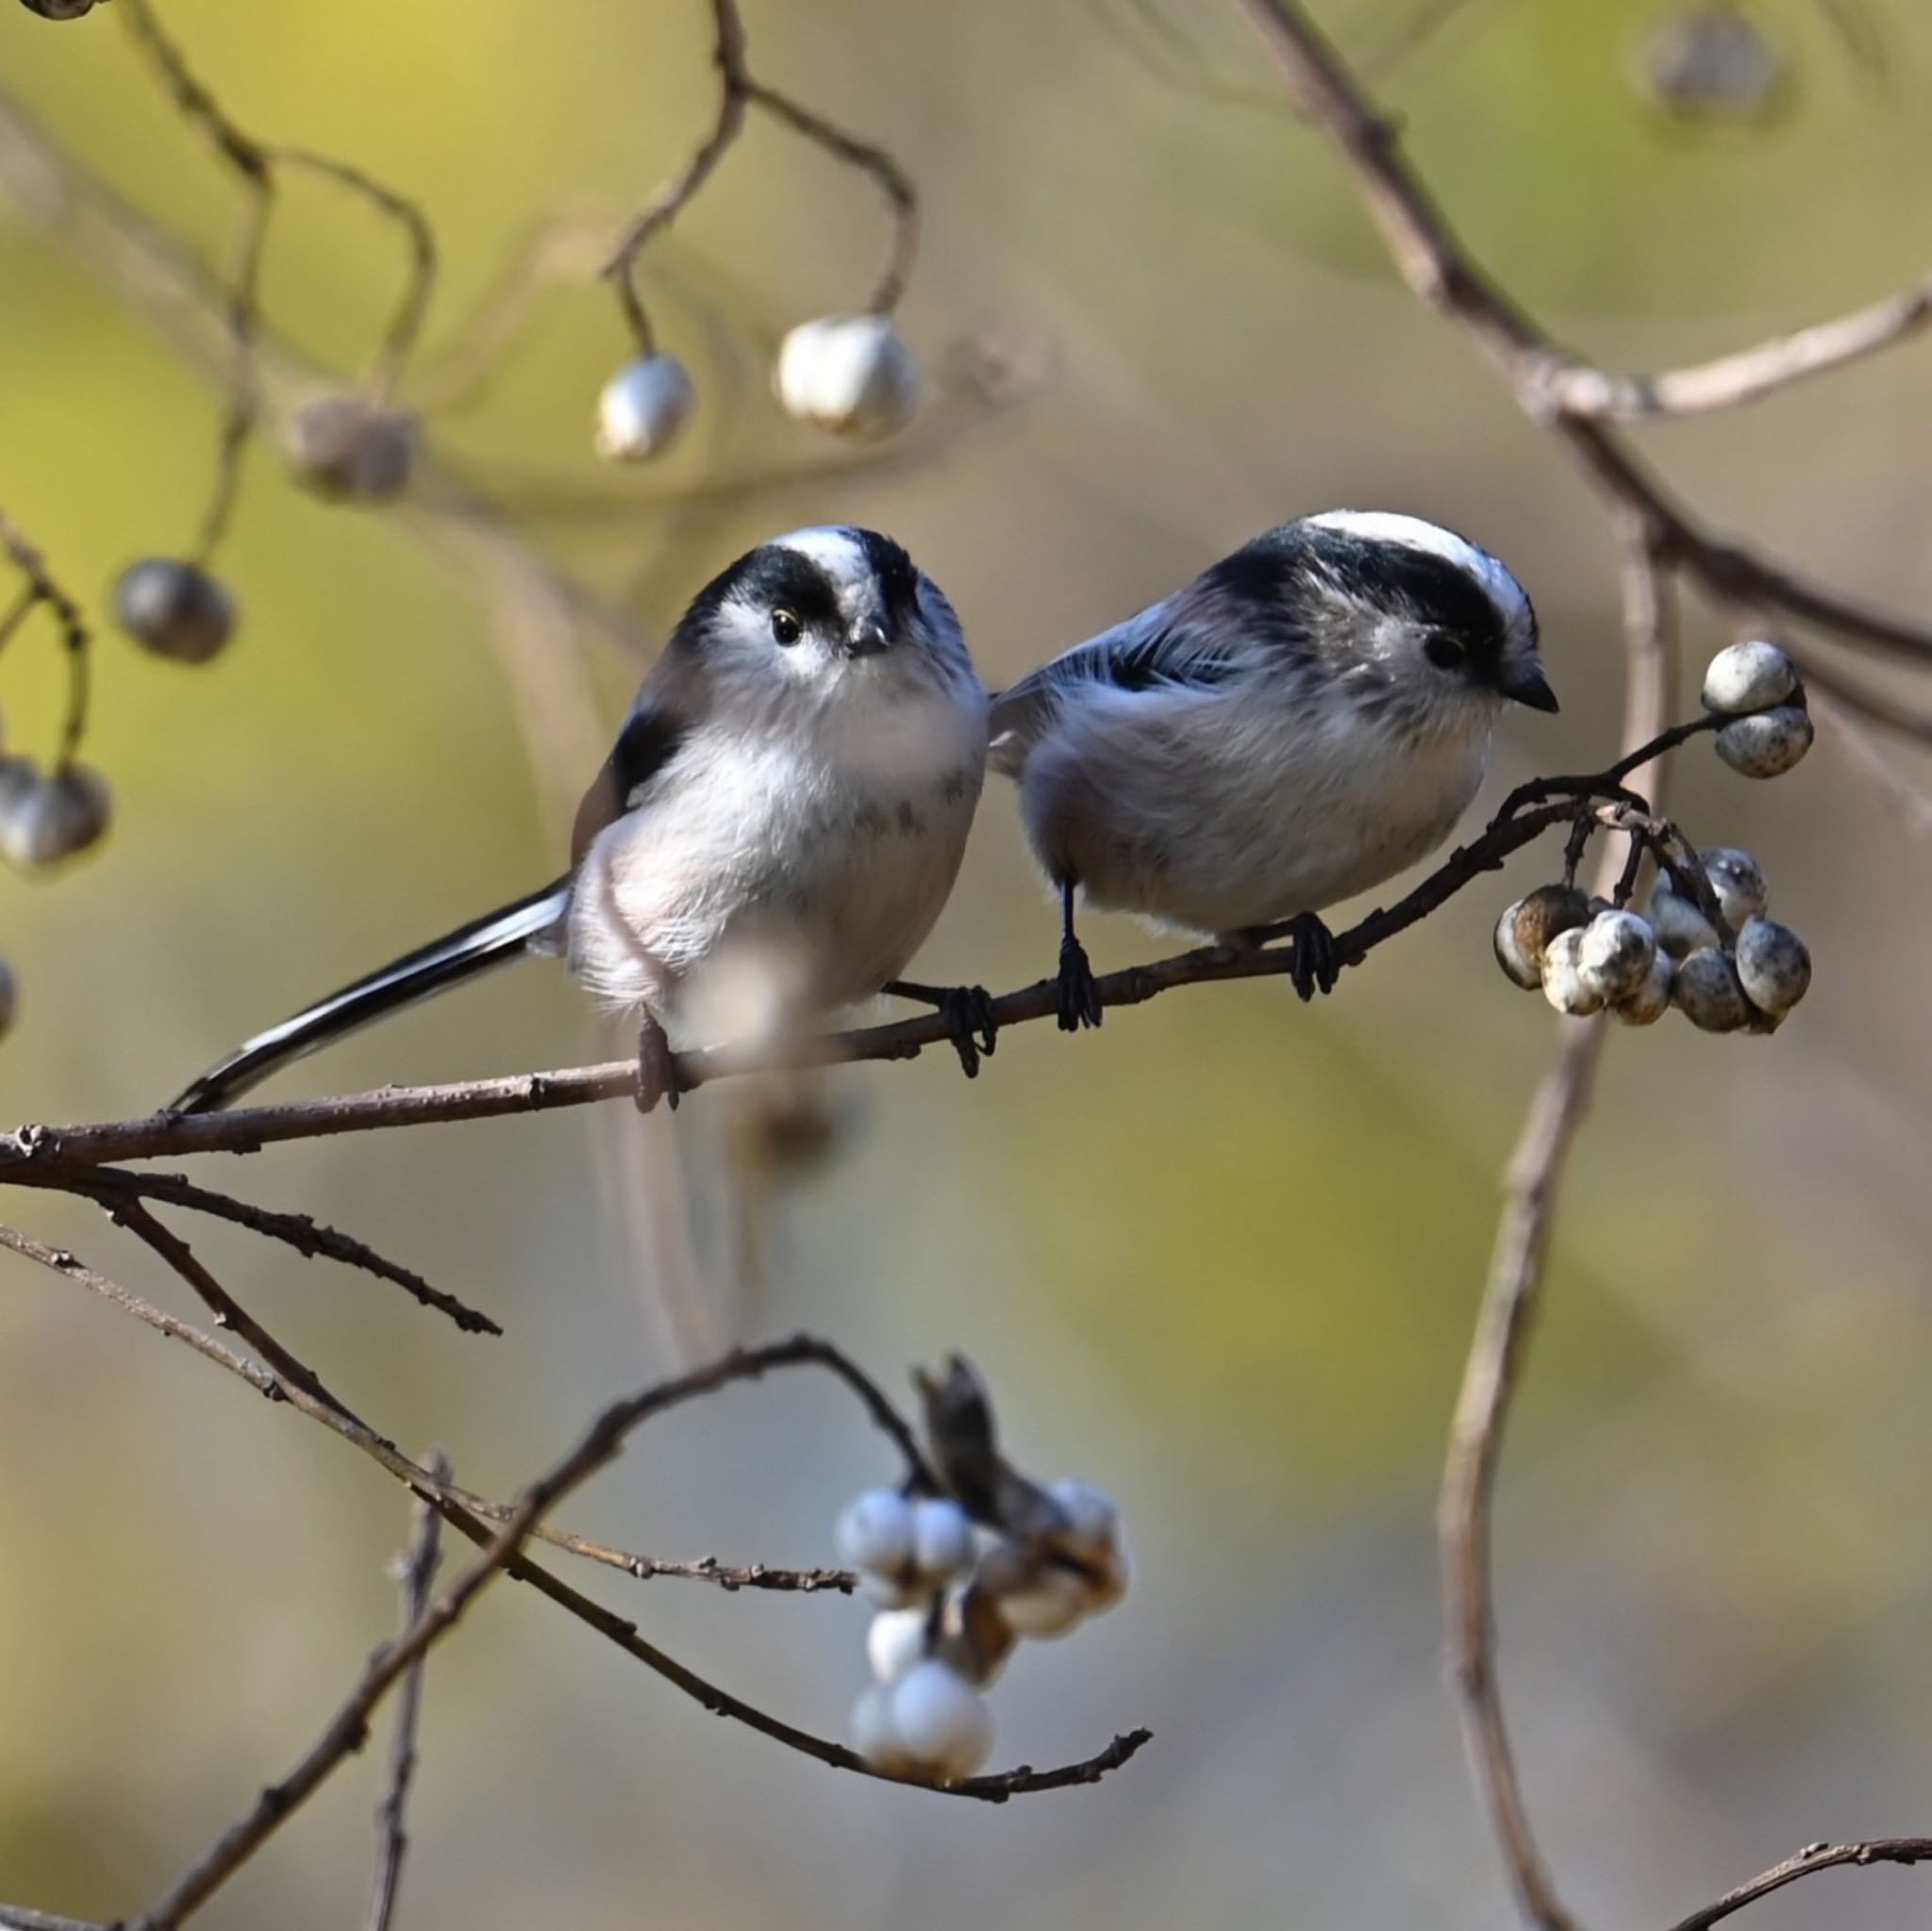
[1707, 992]
[1751, 676]
[1652, 999]
[1524, 930]
[1613, 956]
[643, 408]
[47, 820]
[176, 609]
[853, 374]
[1711, 62]
[1774, 965]
[1681, 927]
[343, 447]
[9, 998]
[1738, 881]
[1766, 744]
[1564, 985]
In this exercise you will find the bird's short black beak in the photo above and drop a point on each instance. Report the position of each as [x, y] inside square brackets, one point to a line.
[1530, 685]
[867, 640]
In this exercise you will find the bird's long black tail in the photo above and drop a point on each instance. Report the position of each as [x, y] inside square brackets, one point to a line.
[492, 939]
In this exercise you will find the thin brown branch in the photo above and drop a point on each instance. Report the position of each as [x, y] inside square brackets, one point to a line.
[75, 638]
[1812, 1859]
[17, 1918]
[892, 181]
[1533, 1182]
[59, 1151]
[1744, 374]
[1440, 272]
[743, 1365]
[739, 89]
[664, 207]
[308, 1237]
[417, 1573]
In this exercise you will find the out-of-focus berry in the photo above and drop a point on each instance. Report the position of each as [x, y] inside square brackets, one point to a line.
[1711, 62]
[875, 1532]
[1613, 957]
[1034, 1595]
[938, 1724]
[176, 609]
[47, 820]
[643, 408]
[896, 1642]
[345, 448]
[853, 374]
[1737, 880]
[1652, 999]
[1746, 677]
[1524, 930]
[1681, 927]
[1774, 965]
[1708, 991]
[942, 1539]
[1766, 744]
[1564, 985]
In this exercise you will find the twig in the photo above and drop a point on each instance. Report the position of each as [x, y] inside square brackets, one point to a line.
[418, 1572]
[1509, 1303]
[739, 89]
[17, 1918]
[42, 588]
[306, 1236]
[1440, 272]
[1813, 1857]
[742, 1365]
[60, 1150]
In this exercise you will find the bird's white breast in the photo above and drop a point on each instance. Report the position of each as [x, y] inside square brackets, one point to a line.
[1216, 812]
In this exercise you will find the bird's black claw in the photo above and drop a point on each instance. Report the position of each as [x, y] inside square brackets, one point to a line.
[656, 1068]
[1315, 967]
[976, 1031]
[1079, 996]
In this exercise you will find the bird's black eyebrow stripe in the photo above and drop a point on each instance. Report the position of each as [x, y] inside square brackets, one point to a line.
[897, 574]
[645, 746]
[771, 577]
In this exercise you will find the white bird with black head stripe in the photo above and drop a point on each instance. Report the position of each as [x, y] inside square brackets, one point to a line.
[785, 810]
[1306, 719]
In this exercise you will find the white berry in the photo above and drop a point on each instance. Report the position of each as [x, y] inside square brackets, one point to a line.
[853, 374]
[896, 1642]
[939, 1722]
[1093, 1521]
[1745, 677]
[1564, 985]
[874, 1534]
[1614, 955]
[176, 609]
[1773, 964]
[1034, 1596]
[1766, 744]
[643, 408]
[1652, 999]
[942, 1539]
[1681, 927]
[47, 820]
[345, 448]
[872, 1732]
[1707, 993]
[1736, 879]
[1524, 930]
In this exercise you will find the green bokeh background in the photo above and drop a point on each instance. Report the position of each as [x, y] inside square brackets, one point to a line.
[1222, 1257]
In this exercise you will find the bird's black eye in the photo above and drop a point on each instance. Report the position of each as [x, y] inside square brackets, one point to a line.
[1443, 651]
[786, 628]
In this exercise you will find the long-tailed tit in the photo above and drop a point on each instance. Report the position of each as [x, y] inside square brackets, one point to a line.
[1297, 724]
[771, 838]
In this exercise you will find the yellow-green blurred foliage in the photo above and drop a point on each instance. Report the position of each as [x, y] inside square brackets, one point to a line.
[1222, 1256]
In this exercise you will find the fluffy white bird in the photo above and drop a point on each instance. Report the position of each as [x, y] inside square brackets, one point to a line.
[1302, 720]
[773, 835]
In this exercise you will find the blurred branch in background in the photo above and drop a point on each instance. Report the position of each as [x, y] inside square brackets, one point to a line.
[1658, 536]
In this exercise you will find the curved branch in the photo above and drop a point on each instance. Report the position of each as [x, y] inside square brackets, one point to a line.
[1813, 1857]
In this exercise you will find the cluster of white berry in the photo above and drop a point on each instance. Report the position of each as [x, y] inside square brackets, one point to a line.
[853, 374]
[1705, 944]
[956, 1587]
